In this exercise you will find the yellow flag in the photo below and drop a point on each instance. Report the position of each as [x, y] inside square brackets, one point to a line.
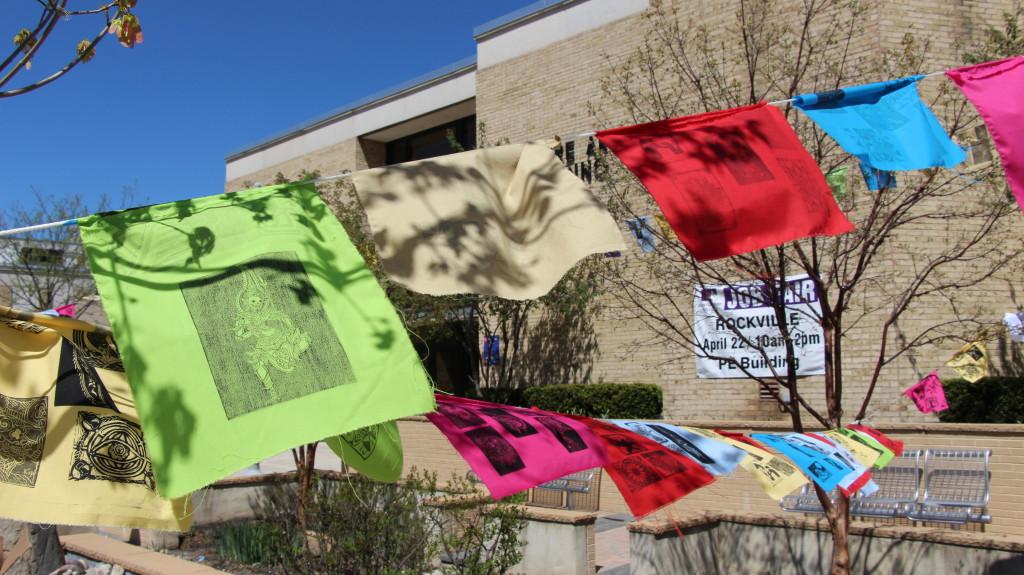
[864, 454]
[777, 476]
[71, 449]
[971, 362]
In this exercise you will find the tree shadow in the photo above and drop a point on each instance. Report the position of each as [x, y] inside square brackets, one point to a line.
[147, 255]
[488, 226]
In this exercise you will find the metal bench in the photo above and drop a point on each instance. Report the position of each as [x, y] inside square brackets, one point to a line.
[956, 487]
[898, 489]
[551, 494]
[899, 486]
[806, 501]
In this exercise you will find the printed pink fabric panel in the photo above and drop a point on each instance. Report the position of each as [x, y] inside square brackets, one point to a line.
[928, 395]
[512, 449]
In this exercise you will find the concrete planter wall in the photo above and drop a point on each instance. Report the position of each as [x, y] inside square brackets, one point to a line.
[752, 544]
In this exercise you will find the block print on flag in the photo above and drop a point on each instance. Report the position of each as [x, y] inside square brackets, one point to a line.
[22, 438]
[716, 457]
[648, 474]
[512, 449]
[363, 441]
[516, 426]
[78, 383]
[503, 457]
[731, 181]
[110, 448]
[265, 334]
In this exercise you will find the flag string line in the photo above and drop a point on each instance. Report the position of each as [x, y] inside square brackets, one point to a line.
[347, 174]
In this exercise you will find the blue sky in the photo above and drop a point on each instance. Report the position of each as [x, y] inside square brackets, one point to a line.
[210, 78]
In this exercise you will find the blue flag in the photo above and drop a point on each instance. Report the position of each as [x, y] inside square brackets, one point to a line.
[492, 350]
[885, 125]
[640, 227]
[716, 457]
[818, 465]
[877, 179]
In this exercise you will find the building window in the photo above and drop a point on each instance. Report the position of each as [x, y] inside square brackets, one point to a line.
[41, 257]
[433, 142]
[980, 147]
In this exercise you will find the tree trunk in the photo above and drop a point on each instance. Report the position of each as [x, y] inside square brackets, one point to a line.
[839, 521]
[305, 463]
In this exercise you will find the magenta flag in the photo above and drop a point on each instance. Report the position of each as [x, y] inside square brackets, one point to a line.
[928, 394]
[512, 449]
[995, 89]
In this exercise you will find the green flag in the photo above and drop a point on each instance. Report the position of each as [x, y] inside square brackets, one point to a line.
[885, 455]
[248, 324]
[836, 179]
[374, 451]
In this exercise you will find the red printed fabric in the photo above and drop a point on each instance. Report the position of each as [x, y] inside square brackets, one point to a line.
[649, 476]
[512, 449]
[741, 438]
[894, 445]
[730, 182]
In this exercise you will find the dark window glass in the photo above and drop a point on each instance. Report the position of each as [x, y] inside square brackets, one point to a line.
[433, 142]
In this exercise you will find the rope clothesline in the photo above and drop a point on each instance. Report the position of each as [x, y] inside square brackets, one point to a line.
[561, 138]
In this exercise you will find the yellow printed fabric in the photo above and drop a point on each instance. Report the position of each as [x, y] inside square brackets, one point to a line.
[971, 362]
[864, 454]
[507, 221]
[71, 448]
[776, 476]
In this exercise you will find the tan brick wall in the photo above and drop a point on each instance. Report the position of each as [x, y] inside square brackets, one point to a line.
[426, 448]
[348, 155]
[550, 91]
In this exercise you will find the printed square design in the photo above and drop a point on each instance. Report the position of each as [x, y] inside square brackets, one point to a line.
[110, 448]
[363, 441]
[78, 382]
[22, 438]
[266, 336]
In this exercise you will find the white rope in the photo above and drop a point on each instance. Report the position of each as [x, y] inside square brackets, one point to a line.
[563, 138]
[74, 221]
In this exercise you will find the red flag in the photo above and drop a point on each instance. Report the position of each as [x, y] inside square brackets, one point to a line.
[730, 182]
[741, 438]
[648, 475]
[894, 445]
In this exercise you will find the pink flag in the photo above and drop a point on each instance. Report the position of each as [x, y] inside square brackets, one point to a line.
[995, 89]
[928, 395]
[66, 310]
[512, 449]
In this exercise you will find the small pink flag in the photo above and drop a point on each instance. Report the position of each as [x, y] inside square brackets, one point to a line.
[995, 89]
[928, 395]
[513, 449]
[66, 310]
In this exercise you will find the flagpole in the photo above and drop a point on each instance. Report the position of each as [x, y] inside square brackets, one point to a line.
[346, 174]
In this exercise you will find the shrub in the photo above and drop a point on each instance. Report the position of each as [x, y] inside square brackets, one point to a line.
[506, 396]
[252, 542]
[359, 526]
[604, 400]
[990, 400]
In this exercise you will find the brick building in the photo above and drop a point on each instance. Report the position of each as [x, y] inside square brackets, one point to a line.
[538, 72]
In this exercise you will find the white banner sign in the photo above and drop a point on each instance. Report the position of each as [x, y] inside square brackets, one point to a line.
[734, 323]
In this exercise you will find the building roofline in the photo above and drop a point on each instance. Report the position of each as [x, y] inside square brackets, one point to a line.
[416, 84]
[516, 18]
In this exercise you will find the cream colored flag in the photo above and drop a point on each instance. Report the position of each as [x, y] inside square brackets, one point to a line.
[864, 454]
[71, 449]
[777, 476]
[507, 221]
